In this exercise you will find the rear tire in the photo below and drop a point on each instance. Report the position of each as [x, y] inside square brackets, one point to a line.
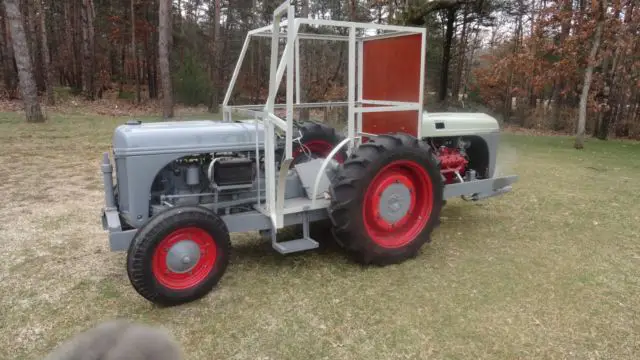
[317, 141]
[179, 255]
[386, 200]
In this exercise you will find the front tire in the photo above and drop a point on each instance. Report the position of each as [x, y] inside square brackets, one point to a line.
[179, 255]
[386, 200]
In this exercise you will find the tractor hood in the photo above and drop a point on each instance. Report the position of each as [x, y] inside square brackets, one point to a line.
[455, 124]
[199, 136]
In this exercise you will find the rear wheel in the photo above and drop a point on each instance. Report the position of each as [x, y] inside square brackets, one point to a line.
[178, 256]
[317, 140]
[386, 200]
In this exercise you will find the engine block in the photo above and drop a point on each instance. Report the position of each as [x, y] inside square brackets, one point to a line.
[452, 163]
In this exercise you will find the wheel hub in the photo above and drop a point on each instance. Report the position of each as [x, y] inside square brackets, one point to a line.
[395, 202]
[183, 256]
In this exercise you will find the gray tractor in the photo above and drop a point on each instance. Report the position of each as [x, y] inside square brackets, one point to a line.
[182, 187]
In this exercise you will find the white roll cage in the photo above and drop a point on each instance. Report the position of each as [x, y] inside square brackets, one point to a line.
[264, 113]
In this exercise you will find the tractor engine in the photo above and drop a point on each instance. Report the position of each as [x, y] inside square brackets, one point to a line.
[207, 178]
[453, 158]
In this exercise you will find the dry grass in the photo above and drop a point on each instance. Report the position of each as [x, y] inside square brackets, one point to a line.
[548, 271]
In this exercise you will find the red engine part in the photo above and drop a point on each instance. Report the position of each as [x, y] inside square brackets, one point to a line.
[451, 161]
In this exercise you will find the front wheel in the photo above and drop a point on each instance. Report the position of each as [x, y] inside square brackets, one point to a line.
[178, 256]
[386, 200]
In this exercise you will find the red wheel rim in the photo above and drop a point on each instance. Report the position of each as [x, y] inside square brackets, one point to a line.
[320, 148]
[193, 238]
[397, 203]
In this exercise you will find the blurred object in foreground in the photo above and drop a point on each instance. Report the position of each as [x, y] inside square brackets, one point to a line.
[119, 340]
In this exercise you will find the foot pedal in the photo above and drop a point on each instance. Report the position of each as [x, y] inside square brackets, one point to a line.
[304, 244]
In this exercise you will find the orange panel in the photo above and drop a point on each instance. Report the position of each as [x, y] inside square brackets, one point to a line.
[391, 72]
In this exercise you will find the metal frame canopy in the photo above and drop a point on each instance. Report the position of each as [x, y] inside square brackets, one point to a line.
[388, 78]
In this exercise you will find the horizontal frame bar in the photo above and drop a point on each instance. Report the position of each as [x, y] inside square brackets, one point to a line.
[388, 108]
[386, 102]
[386, 36]
[357, 25]
[295, 106]
[246, 111]
[265, 28]
[306, 36]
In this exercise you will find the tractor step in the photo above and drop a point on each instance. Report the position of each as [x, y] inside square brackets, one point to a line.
[291, 246]
[287, 247]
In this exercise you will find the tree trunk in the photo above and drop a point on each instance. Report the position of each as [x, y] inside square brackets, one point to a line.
[216, 78]
[446, 54]
[558, 97]
[462, 51]
[134, 51]
[164, 38]
[123, 67]
[150, 54]
[149, 70]
[46, 61]
[71, 44]
[31, 21]
[582, 115]
[27, 82]
[88, 40]
[10, 80]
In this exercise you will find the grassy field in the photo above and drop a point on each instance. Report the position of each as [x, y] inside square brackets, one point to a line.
[549, 271]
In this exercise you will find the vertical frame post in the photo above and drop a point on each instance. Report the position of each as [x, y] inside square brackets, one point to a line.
[352, 86]
[421, 94]
[270, 171]
[298, 72]
[275, 42]
[291, 36]
[255, 122]
[360, 87]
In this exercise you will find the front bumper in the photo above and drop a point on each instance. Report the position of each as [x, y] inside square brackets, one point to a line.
[119, 239]
[480, 189]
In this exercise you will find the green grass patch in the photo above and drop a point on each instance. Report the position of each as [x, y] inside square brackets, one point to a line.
[547, 271]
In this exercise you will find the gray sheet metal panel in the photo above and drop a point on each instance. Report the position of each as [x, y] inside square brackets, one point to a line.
[492, 140]
[135, 177]
[307, 172]
[192, 137]
[254, 220]
[120, 240]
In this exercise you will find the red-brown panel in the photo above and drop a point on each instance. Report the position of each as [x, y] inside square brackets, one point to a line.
[391, 72]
